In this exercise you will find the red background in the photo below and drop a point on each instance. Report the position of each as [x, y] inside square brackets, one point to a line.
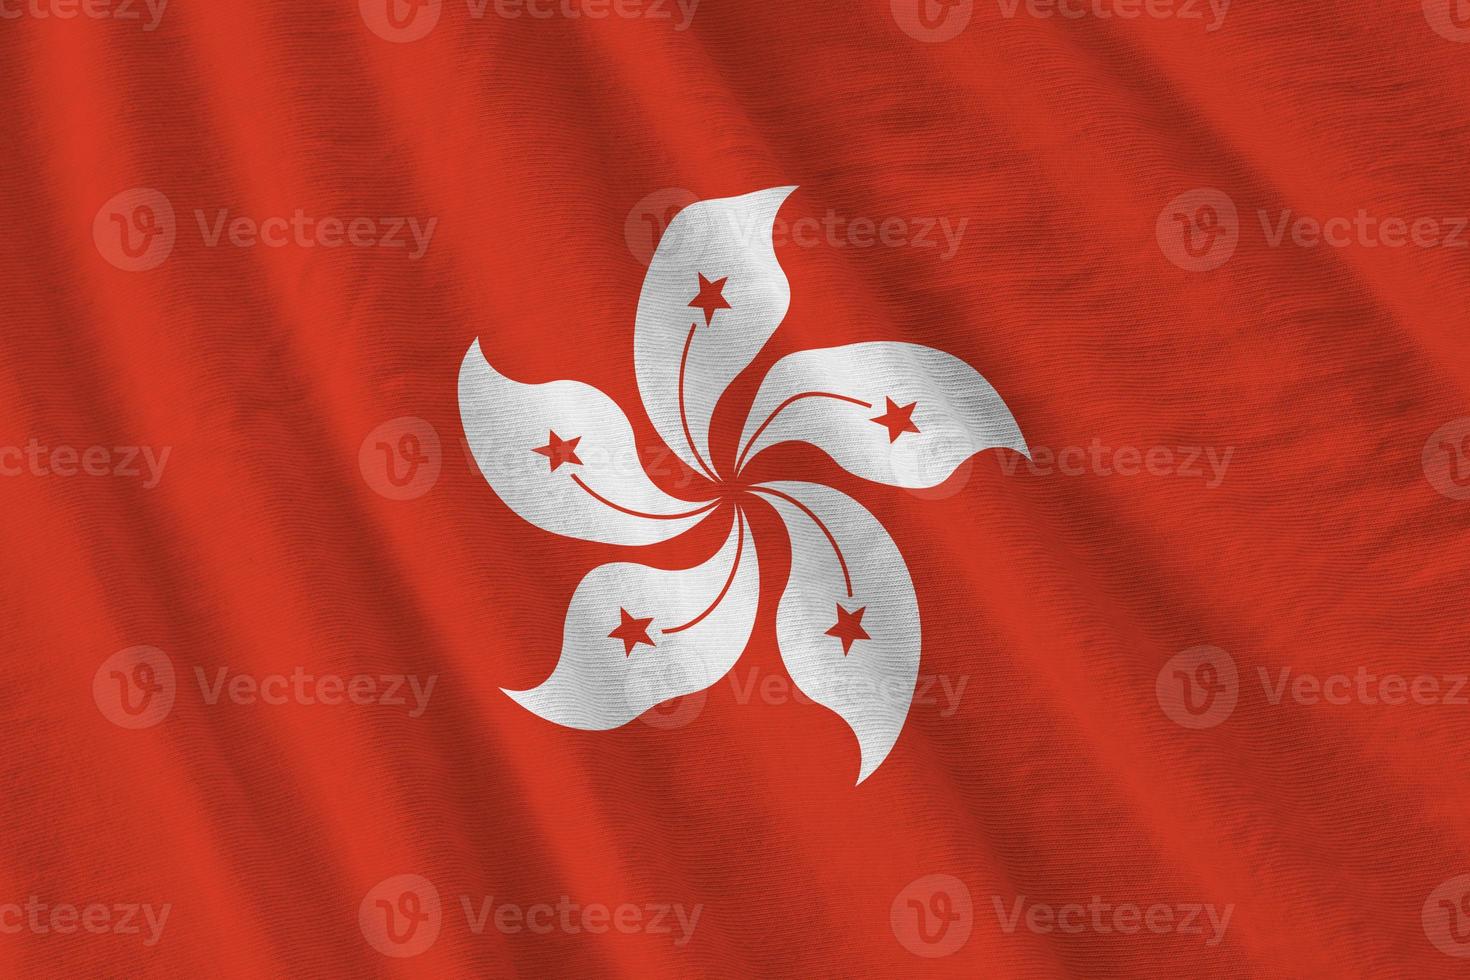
[1059, 598]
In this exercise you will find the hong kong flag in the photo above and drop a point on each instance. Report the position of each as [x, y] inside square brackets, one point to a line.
[696, 488]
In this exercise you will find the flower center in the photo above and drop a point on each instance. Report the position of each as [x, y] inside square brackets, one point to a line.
[731, 490]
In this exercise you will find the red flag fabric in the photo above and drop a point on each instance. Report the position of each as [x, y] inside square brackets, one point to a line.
[649, 488]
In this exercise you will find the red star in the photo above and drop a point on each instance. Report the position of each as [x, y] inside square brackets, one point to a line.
[849, 628]
[632, 632]
[899, 419]
[560, 450]
[711, 297]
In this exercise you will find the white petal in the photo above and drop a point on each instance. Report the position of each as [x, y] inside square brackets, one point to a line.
[831, 397]
[701, 621]
[857, 568]
[607, 497]
[726, 238]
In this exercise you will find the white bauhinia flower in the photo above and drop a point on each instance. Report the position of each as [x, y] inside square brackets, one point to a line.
[562, 456]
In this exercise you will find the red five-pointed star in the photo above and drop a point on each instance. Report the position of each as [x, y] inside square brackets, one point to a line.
[632, 632]
[711, 297]
[560, 450]
[849, 628]
[899, 419]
